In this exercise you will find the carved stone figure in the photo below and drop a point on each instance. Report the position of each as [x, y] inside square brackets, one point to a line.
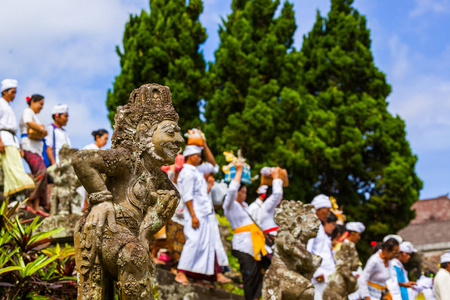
[342, 282]
[134, 201]
[289, 275]
[64, 197]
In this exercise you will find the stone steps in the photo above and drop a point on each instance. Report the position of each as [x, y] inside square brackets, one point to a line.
[170, 290]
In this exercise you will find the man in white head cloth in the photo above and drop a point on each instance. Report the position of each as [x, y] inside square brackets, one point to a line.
[405, 287]
[57, 136]
[442, 278]
[354, 229]
[203, 252]
[321, 245]
[15, 178]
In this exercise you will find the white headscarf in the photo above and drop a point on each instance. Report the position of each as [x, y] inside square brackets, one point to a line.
[192, 149]
[355, 226]
[9, 84]
[60, 109]
[321, 201]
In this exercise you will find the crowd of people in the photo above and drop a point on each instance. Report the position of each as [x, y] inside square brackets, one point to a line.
[39, 145]
[195, 249]
[202, 256]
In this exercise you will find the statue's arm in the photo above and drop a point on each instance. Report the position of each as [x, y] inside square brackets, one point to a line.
[89, 165]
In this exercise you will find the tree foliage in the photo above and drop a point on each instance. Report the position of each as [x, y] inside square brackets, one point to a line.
[254, 101]
[321, 112]
[163, 47]
[365, 161]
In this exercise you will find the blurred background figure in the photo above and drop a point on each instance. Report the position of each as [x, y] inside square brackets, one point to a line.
[100, 140]
[15, 178]
[33, 133]
[57, 135]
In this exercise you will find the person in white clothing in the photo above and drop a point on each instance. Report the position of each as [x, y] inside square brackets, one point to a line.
[263, 214]
[255, 207]
[33, 131]
[406, 287]
[442, 279]
[354, 230]
[248, 242]
[321, 245]
[57, 135]
[378, 271]
[203, 252]
[100, 140]
[15, 178]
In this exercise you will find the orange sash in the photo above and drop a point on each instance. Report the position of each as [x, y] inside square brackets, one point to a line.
[258, 240]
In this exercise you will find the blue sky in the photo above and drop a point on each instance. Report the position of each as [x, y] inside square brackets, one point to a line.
[65, 50]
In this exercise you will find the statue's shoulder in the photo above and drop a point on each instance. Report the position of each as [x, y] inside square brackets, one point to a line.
[118, 159]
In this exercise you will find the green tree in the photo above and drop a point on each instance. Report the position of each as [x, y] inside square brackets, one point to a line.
[365, 160]
[163, 47]
[254, 102]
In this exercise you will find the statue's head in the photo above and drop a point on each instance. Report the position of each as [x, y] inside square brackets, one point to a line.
[148, 125]
[347, 255]
[298, 218]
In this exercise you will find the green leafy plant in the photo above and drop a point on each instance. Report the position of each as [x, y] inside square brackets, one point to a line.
[29, 267]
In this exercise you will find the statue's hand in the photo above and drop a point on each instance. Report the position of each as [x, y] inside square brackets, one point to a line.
[158, 215]
[97, 217]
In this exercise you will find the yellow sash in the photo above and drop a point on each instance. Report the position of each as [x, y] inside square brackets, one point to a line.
[380, 288]
[258, 240]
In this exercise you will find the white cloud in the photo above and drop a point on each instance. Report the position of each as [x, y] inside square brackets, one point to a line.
[434, 6]
[65, 50]
[399, 57]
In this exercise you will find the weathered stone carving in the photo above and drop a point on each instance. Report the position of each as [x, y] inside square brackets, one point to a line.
[133, 203]
[342, 282]
[64, 197]
[289, 275]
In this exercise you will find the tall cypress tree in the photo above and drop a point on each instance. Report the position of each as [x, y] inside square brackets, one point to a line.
[254, 101]
[365, 161]
[163, 47]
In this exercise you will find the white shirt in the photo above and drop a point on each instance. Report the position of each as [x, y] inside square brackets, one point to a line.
[61, 138]
[321, 245]
[442, 285]
[8, 121]
[92, 146]
[31, 145]
[255, 210]
[376, 272]
[237, 217]
[268, 207]
[192, 186]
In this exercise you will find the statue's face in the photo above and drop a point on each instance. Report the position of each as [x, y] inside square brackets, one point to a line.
[167, 141]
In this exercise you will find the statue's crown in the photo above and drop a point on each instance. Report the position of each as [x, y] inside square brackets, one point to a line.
[155, 102]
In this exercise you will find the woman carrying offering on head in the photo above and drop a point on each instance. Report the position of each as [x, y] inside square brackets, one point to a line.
[248, 240]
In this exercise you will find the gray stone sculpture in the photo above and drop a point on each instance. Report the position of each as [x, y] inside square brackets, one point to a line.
[342, 282]
[289, 275]
[134, 201]
[64, 197]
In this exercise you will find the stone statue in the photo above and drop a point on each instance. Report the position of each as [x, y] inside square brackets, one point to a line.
[289, 275]
[64, 197]
[134, 201]
[342, 282]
